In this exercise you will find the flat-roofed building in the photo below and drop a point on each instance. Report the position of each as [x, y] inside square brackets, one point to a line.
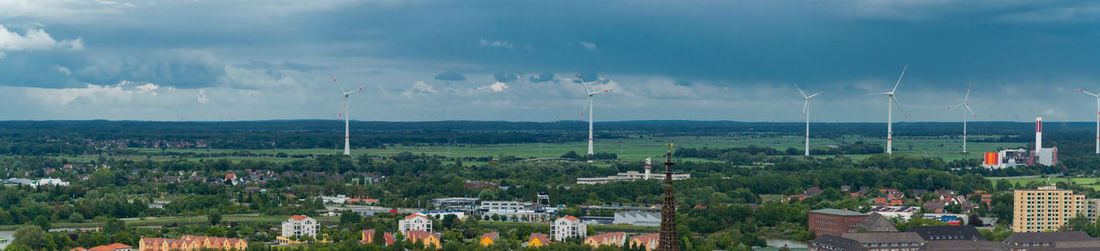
[1045, 208]
[835, 221]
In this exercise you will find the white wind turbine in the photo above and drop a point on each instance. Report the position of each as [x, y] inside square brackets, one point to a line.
[589, 103]
[806, 114]
[967, 106]
[347, 121]
[1097, 118]
[891, 100]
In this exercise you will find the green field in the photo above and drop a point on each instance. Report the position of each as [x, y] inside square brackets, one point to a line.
[1091, 182]
[627, 149]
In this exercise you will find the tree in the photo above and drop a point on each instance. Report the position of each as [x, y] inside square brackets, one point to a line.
[29, 235]
[42, 222]
[348, 217]
[449, 221]
[379, 237]
[214, 216]
[114, 225]
[976, 221]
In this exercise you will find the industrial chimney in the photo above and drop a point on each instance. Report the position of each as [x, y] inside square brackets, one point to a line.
[648, 163]
[1038, 133]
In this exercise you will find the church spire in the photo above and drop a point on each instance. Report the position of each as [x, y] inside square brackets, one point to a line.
[668, 240]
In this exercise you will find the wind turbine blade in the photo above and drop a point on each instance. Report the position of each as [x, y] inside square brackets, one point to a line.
[337, 84]
[967, 93]
[971, 111]
[895, 99]
[800, 91]
[586, 89]
[356, 90]
[814, 95]
[899, 78]
[1089, 93]
[587, 101]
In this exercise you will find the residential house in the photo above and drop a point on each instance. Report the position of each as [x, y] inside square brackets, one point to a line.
[813, 191]
[648, 241]
[112, 247]
[368, 237]
[191, 243]
[415, 222]
[430, 240]
[488, 239]
[608, 239]
[537, 240]
[568, 227]
[299, 225]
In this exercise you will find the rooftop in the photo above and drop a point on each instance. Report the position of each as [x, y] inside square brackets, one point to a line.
[840, 212]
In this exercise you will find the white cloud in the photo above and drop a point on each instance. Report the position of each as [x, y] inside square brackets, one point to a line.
[495, 87]
[588, 46]
[202, 96]
[64, 70]
[35, 39]
[419, 87]
[488, 43]
[422, 87]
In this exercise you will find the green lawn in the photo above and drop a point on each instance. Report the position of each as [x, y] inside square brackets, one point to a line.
[1093, 183]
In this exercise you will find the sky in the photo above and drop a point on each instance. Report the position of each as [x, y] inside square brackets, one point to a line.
[519, 60]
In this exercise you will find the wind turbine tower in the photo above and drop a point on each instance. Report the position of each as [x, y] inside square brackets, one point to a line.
[1097, 118]
[590, 105]
[347, 121]
[967, 106]
[891, 100]
[806, 114]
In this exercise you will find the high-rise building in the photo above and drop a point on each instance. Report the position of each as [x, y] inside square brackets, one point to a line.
[1045, 208]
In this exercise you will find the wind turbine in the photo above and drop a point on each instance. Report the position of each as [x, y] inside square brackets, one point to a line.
[347, 121]
[967, 106]
[589, 104]
[806, 114]
[891, 100]
[1097, 118]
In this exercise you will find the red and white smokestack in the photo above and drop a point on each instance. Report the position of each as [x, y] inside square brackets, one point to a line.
[1038, 133]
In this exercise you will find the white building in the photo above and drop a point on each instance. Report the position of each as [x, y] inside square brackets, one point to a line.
[300, 225]
[637, 218]
[35, 183]
[441, 214]
[415, 222]
[632, 176]
[338, 199]
[568, 227]
[902, 213]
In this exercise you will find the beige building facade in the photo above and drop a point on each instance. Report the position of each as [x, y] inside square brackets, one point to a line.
[1045, 208]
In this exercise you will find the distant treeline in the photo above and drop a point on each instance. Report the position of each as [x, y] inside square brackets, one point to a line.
[732, 154]
[25, 137]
